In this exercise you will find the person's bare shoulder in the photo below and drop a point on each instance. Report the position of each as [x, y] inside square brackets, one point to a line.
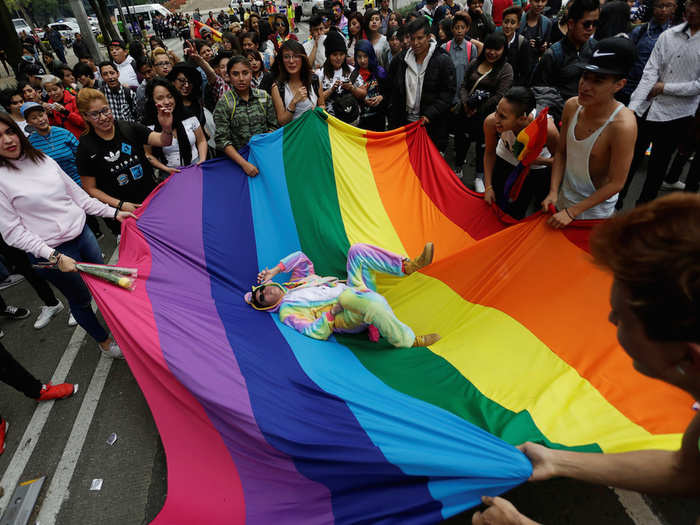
[624, 121]
[569, 107]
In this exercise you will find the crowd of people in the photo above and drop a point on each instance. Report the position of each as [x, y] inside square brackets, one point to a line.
[93, 140]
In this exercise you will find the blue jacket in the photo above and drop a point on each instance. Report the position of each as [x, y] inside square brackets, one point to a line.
[644, 36]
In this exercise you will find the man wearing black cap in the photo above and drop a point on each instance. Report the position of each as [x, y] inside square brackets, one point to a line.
[126, 65]
[598, 135]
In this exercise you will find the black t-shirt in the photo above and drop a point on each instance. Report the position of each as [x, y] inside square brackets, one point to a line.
[119, 165]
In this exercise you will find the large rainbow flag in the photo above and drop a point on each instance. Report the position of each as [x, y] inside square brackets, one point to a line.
[263, 425]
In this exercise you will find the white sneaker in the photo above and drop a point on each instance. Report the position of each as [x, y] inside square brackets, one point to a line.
[11, 280]
[2, 334]
[46, 314]
[71, 320]
[119, 239]
[479, 185]
[114, 351]
[678, 185]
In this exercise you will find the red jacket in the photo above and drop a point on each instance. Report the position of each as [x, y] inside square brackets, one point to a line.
[497, 10]
[69, 118]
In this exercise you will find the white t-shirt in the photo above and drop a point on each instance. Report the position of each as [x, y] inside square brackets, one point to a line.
[380, 48]
[127, 72]
[302, 107]
[23, 126]
[504, 148]
[338, 74]
[320, 51]
[172, 152]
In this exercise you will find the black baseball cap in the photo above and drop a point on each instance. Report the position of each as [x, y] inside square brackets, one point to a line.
[117, 43]
[611, 56]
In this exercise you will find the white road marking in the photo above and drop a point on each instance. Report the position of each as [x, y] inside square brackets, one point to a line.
[636, 508]
[36, 425]
[58, 489]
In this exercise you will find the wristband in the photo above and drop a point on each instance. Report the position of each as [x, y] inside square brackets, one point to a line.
[116, 212]
[488, 188]
[570, 217]
[291, 110]
[121, 203]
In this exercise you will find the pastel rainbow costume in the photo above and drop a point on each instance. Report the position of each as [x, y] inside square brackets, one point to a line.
[309, 298]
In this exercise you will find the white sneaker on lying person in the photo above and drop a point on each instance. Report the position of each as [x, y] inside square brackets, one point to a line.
[479, 185]
[46, 314]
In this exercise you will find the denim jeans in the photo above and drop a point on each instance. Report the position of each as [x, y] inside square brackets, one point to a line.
[83, 248]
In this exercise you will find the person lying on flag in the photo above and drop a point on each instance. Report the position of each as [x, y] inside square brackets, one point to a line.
[318, 306]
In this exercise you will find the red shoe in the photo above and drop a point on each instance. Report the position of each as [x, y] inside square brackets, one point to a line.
[49, 391]
[4, 426]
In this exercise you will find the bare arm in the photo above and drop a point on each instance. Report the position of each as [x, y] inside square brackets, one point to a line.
[283, 116]
[650, 471]
[559, 162]
[620, 160]
[201, 142]
[491, 141]
[157, 164]
[90, 186]
[250, 169]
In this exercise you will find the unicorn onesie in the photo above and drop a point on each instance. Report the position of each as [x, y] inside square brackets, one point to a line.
[319, 306]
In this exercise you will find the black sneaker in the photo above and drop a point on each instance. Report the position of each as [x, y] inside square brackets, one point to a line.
[15, 312]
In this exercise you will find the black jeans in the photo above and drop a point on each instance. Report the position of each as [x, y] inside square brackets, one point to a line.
[18, 261]
[467, 130]
[18, 377]
[640, 148]
[665, 138]
[535, 188]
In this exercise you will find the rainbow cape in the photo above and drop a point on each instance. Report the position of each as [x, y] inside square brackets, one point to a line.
[528, 146]
[261, 424]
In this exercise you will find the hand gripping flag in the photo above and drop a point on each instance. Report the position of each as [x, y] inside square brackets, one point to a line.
[527, 148]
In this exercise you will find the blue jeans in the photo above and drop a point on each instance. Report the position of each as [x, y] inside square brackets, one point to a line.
[83, 248]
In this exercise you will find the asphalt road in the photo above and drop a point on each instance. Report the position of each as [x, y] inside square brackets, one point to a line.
[66, 441]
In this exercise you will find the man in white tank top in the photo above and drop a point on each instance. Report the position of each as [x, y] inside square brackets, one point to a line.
[597, 139]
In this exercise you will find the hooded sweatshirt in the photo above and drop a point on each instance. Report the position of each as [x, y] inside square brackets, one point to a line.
[414, 81]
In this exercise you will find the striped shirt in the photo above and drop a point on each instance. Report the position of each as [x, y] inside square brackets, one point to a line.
[61, 145]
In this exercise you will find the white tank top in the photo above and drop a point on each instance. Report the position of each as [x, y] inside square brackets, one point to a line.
[305, 105]
[577, 184]
[504, 148]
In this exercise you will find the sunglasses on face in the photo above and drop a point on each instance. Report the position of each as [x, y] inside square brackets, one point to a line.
[183, 81]
[590, 23]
